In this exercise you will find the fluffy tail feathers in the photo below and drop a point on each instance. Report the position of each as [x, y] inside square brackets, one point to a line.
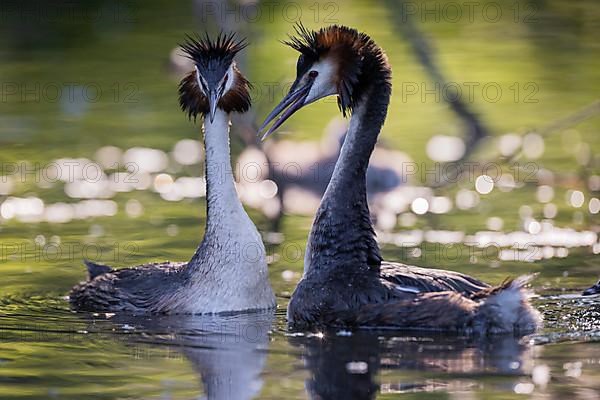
[506, 308]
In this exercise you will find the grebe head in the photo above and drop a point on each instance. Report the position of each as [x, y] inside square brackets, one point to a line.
[215, 81]
[335, 60]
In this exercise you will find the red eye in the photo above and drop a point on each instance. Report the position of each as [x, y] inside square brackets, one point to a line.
[313, 74]
[225, 79]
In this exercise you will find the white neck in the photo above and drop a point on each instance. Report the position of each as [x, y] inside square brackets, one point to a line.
[231, 248]
[222, 198]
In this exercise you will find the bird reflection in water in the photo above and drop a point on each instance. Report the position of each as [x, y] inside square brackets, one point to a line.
[228, 352]
[361, 365]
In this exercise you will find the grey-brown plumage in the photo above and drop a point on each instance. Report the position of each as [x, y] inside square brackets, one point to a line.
[144, 288]
[483, 312]
[345, 282]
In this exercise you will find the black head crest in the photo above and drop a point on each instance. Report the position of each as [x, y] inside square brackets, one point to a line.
[204, 51]
[356, 55]
[212, 60]
[305, 41]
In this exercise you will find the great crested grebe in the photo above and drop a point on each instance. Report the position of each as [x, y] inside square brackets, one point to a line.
[345, 281]
[593, 290]
[302, 169]
[228, 272]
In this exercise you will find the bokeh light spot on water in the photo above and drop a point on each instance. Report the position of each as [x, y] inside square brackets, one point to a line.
[386, 220]
[188, 152]
[133, 208]
[594, 205]
[407, 220]
[163, 183]
[541, 375]
[466, 199]
[575, 198]
[440, 205]
[357, 367]
[494, 223]
[109, 157]
[533, 146]
[142, 181]
[191, 187]
[562, 252]
[484, 184]
[533, 226]
[550, 210]
[268, 189]
[95, 208]
[444, 237]
[524, 388]
[420, 206]
[545, 193]
[583, 154]
[509, 144]
[506, 183]
[443, 148]
[538, 241]
[121, 182]
[59, 213]
[146, 159]
[289, 275]
[89, 189]
[29, 209]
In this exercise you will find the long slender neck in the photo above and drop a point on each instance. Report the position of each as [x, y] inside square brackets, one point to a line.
[342, 235]
[226, 218]
[221, 196]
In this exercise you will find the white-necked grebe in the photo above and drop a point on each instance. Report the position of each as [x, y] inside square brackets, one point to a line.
[345, 281]
[228, 272]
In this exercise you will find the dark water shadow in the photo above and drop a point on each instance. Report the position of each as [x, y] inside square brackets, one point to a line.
[351, 367]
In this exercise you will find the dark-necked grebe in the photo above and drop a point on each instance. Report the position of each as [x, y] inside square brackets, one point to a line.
[345, 281]
[593, 290]
[228, 272]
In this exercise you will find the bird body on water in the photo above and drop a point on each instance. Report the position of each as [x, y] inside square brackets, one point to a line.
[228, 272]
[345, 282]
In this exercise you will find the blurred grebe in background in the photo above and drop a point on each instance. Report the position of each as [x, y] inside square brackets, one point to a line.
[593, 290]
[294, 174]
